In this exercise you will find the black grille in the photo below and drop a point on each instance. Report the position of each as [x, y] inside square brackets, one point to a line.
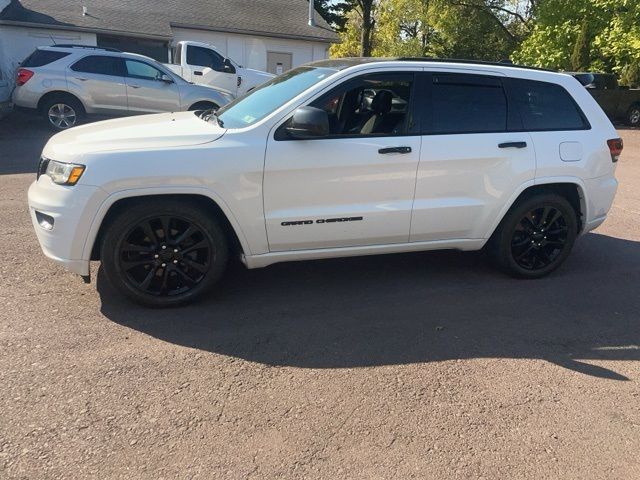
[42, 167]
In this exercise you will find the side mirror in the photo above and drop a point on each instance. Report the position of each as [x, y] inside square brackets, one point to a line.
[228, 67]
[307, 123]
[165, 78]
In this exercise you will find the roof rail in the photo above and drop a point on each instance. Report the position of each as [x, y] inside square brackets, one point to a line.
[89, 47]
[503, 63]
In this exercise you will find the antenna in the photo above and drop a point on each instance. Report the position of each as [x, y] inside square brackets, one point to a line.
[52, 39]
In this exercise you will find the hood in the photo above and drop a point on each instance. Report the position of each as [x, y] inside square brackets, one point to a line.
[163, 130]
[258, 74]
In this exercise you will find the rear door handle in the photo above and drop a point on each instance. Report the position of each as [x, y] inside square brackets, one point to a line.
[198, 73]
[513, 145]
[82, 79]
[403, 150]
[134, 86]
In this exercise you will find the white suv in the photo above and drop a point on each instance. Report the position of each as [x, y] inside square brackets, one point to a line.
[332, 159]
[66, 82]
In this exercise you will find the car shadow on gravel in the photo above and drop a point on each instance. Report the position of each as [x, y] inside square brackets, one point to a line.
[401, 309]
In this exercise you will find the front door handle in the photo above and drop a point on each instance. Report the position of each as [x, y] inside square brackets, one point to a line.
[513, 145]
[82, 79]
[134, 86]
[403, 150]
[198, 73]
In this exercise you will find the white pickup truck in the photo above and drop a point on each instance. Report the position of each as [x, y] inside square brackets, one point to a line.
[201, 63]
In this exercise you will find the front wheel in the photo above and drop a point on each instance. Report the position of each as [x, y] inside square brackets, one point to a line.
[535, 237]
[164, 253]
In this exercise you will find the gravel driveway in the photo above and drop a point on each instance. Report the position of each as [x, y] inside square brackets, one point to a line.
[425, 366]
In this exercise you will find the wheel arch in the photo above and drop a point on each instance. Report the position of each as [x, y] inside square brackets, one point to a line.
[121, 202]
[62, 93]
[571, 189]
[204, 104]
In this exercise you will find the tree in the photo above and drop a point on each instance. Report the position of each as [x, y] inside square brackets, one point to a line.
[580, 58]
[334, 13]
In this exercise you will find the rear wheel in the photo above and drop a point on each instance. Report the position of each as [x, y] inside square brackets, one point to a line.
[164, 253]
[633, 116]
[62, 112]
[536, 236]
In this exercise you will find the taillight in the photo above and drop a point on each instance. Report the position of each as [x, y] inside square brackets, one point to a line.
[615, 147]
[23, 76]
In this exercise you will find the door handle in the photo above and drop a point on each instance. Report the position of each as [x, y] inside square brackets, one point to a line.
[82, 79]
[134, 86]
[513, 145]
[198, 73]
[387, 150]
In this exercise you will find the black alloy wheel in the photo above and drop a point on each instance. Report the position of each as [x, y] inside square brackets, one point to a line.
[164, 253]
[539, 238]
[536, 236]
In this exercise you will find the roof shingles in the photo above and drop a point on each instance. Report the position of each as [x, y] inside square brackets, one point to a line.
[285, 18]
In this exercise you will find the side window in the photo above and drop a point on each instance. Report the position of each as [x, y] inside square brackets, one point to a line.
[40, 58]
[204, 57]
[546, 106]
[103, 65]
[467, 104]
[375, 104]
[141, 70]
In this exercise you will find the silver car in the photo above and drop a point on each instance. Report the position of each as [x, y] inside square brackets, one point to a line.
[66, 82]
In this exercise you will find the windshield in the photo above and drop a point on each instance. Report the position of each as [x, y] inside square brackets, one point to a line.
[267, 98]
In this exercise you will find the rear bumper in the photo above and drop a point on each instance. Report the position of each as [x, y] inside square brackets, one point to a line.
[72, 210]
[600, 193]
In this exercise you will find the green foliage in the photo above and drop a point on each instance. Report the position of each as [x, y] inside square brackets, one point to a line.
[614, 27]
[630, 74]
[440, 28]
[580, 58]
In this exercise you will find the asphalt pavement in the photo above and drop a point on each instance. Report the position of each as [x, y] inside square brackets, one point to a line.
[425, 366]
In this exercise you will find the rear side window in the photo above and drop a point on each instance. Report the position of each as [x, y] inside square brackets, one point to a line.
[40, 58]
[103, 65]
[546, 106]
[467, 104]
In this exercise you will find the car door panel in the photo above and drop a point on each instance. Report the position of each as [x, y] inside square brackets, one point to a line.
[146, 92]
[465, 180]
[99, 82]
[339, 192]
[207, 67]
[470, 165]
[343, 191]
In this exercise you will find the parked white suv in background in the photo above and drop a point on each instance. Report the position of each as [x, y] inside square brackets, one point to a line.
[65, 82]
[332, 159]
[202, 64]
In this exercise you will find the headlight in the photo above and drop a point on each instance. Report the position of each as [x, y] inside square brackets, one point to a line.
[64, 173]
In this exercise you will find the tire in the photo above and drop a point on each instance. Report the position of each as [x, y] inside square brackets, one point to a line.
[203, 106]
[158, 269]
[633, 116]
[62, 112]
[535, 237]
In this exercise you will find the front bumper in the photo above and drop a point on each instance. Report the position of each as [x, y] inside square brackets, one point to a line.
[72, 210]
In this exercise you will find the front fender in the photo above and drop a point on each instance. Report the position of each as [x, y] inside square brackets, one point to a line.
[140, 192]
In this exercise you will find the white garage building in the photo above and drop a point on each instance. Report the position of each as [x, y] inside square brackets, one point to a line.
[271, 35]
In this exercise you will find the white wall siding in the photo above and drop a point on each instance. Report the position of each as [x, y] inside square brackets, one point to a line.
[251, 51]
[17, 43]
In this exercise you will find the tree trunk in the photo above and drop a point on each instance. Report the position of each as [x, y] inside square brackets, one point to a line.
[367, 28]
